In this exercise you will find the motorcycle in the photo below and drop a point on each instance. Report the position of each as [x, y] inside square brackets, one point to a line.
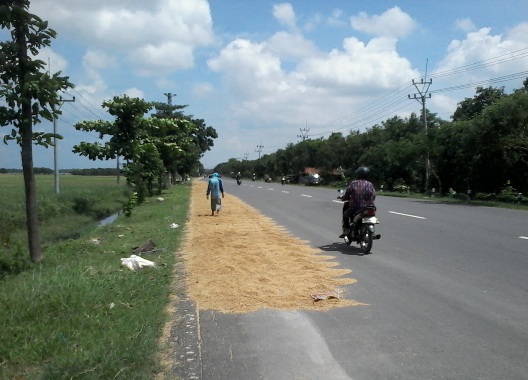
[362, 228]
[283, 180]
[239, 181]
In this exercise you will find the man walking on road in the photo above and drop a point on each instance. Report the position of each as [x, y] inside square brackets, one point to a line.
[216, 189]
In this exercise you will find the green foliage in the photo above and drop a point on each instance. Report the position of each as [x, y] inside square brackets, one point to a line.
[26, 80]
[131, 203]
[13, 261]
[167, 142]
[80, 314]
[83, 205]
[30, 94]
[470, 108]
[94, 198]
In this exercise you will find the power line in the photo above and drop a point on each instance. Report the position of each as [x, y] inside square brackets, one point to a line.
[304, 133]
[55, 144]
[259, 150]
[382, 107]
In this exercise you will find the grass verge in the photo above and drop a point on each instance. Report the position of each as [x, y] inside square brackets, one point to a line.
[80, 314]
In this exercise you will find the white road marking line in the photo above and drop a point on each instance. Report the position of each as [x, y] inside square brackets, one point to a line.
[412, 216]
[260, 187]
[271, 189]
[285, 192]
[336, 201]
[304, 195]
[523, 237]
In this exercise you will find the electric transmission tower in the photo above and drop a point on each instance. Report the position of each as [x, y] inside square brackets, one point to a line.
[259, 150]
[304, 133]
[423, 87]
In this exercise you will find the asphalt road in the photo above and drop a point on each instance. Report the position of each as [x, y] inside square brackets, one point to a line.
[446, 288]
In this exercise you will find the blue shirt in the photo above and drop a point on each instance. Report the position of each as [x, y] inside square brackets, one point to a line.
[215, 187]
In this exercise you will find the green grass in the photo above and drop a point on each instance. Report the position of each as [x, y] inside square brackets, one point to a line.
[79, 314]
[82, 202]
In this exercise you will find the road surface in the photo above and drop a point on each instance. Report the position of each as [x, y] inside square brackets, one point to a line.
[446, 288]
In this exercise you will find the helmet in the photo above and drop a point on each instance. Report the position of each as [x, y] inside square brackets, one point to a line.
[362, 172]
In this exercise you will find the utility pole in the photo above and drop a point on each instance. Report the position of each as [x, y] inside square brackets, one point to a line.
[304, 132]
[169, 97]
[55, 150]
[259, 150]
[421, 97]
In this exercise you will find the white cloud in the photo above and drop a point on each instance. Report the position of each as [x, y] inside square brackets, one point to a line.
[393, 22]
[95, 60]
[54, 62]
[162, 58]
[160, 28]
[465, 25]
[264, 90]
[482, 45]
[360, 67]
[285, 14]
[287, 45]
[202, 90]
[336, 19]
[247, 67]
[134, 93]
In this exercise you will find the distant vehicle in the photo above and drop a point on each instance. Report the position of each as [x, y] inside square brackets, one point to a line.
[310, 179]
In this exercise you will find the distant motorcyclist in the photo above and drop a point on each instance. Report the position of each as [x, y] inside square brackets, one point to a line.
[238, 178]
[359, 194]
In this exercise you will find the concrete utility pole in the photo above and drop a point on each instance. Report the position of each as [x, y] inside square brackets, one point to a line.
[169, 97]
[55, 151]
[259, 150]
[421, 98]
[304, 133]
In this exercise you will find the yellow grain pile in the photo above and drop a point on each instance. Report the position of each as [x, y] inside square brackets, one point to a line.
[241, 261]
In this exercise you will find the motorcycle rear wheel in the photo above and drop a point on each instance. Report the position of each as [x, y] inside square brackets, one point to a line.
[365, 243]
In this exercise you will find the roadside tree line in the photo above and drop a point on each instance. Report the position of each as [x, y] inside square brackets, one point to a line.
[167, 141]
[482, 151]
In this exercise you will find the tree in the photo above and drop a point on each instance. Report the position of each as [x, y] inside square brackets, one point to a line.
[30, 95]
[131, 137]
[471, 107]
[183, 144]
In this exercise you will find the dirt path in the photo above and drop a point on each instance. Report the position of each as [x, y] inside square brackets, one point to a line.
[241, 261]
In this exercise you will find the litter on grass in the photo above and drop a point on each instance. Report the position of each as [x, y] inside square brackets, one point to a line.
[174, 225]
[147, 247]
[136, 262]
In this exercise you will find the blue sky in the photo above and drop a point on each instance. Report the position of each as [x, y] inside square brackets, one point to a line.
[260, 71]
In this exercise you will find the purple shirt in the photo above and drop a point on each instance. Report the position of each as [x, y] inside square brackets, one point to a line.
[360, 193]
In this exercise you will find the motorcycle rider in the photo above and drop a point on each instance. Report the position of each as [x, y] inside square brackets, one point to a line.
[359, 194]
[238, 177]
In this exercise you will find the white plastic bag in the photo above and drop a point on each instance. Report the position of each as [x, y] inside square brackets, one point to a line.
[136, 262]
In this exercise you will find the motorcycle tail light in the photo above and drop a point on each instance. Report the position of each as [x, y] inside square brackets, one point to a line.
[369, 212]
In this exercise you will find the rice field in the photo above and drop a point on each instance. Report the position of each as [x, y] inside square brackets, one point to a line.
[81, 202]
